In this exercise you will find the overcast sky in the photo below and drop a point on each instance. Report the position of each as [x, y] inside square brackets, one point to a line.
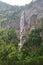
[17, 2]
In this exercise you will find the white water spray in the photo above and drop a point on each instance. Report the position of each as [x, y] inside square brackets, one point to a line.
[22, 29]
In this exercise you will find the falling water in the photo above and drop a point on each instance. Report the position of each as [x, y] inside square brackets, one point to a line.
[22, 29]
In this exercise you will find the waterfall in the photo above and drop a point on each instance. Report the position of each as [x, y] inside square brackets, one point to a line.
[22, 29]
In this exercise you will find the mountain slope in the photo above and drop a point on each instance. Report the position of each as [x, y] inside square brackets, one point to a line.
[10, 15]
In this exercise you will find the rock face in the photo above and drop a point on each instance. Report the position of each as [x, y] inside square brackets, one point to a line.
[29, 19]
[10, 15]
[34, 13]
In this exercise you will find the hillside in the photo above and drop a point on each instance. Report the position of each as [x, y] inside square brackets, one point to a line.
[10, 15]
[25, 48]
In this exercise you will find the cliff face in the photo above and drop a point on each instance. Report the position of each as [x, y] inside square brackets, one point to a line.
[10, 15]
[34, 13]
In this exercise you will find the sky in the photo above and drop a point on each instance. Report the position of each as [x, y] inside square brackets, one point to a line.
[17, 2]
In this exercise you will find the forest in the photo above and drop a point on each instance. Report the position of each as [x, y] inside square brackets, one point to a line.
[31, 52]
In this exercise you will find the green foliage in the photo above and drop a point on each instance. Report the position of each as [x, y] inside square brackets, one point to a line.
[32, 50]
[34, 38]
[40, 50]
[12, 37]
[29, 55]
